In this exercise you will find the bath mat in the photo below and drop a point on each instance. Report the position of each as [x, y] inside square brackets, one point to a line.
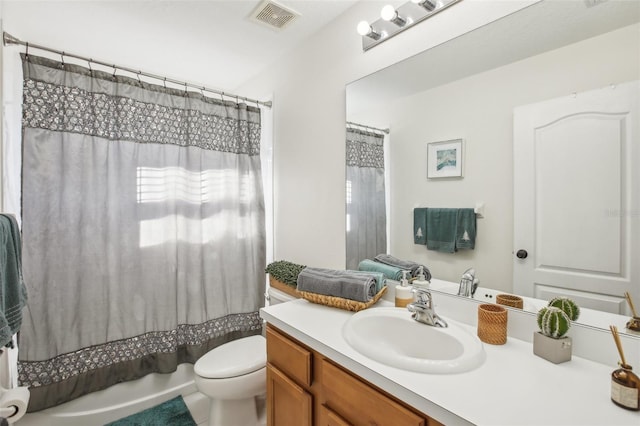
[171, 413]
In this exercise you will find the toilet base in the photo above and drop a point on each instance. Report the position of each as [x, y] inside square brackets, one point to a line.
[233, 412]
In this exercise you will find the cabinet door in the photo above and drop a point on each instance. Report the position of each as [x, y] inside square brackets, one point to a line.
[331, 418]
[287, 403]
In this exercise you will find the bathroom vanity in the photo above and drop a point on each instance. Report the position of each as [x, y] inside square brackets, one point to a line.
[306, 388]
[316, 378]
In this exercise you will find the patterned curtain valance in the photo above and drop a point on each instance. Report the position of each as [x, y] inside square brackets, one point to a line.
[125, 109]
[365, 149]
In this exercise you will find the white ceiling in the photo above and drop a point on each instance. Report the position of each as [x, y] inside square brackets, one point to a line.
[218, 32]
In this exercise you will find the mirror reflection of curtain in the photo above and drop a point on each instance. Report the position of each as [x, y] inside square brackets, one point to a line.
[143, 228]
[365, 196]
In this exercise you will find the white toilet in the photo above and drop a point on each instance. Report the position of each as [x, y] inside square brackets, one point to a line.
[234, 375]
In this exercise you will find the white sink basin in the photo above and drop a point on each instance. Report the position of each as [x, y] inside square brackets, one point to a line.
[392, 337]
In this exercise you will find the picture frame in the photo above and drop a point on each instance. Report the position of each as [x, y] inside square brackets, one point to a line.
[445, 159]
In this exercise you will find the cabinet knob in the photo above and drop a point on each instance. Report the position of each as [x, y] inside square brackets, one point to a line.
[522, 254]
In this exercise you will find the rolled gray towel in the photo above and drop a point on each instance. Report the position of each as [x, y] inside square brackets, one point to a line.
[387, 259]
[330, 282]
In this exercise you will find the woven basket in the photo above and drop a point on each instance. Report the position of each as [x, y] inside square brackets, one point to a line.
[290, 290]
[339, 302]
[510, 300]
[492, 324]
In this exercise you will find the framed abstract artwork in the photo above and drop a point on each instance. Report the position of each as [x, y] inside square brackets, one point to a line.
[444, 159]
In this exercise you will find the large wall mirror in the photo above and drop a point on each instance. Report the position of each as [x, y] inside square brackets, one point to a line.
[471, 88]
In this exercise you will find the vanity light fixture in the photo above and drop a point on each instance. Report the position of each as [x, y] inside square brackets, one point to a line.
[395, 20]
[366, 30]
[427, 4]
[390, 14]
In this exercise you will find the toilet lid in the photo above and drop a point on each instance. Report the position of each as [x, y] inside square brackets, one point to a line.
[236, 358]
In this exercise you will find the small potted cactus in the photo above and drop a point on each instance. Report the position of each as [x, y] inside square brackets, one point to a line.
[554, 320]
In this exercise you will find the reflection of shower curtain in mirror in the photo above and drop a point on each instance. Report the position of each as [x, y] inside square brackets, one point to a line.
[366, 205]
[143, 228]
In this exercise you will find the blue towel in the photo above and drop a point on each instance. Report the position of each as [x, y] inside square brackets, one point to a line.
[13, 294]
[409, 265]
[389, 271]
[466, 229]
[420, 225]
[442, 227]
[338, 283]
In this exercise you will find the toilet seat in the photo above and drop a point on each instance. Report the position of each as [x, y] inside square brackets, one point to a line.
[233, 359]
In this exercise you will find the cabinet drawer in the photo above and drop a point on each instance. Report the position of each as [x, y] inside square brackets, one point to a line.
[358, 403]
[289, 357]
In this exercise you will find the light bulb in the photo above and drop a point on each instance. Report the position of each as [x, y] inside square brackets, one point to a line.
[364, 28]
[388, 13]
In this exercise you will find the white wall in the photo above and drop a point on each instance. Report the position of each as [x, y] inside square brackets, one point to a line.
[479, 109]
[309, 119]
[308, 87]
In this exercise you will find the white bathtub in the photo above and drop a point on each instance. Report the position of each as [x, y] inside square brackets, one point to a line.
[124, 399]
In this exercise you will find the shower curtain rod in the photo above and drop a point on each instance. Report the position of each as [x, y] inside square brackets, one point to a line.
[368, 127]
[9, 39]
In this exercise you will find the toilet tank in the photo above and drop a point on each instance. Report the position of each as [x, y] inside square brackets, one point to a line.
[275, 296]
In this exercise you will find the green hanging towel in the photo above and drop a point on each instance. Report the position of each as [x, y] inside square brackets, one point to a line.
[466, 229]
[13, 294]
[420, 225]
[442, 226]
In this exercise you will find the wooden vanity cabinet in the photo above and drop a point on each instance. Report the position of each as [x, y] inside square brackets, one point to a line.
[306, 388]
[289, 378]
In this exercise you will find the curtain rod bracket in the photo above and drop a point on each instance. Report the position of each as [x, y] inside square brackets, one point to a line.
[9, 39]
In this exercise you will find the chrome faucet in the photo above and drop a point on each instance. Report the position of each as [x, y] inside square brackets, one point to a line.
[422, 309]
[468, 283]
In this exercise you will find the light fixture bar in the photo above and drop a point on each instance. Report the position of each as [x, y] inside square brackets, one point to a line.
[427, 4]
[393, 21]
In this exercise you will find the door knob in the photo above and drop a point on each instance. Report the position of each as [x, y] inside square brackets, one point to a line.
[522, 254]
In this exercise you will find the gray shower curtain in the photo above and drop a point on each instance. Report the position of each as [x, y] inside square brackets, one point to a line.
[143, 228]
[366, 203]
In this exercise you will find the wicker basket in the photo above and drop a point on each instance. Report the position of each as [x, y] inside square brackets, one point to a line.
[510, 300]
[336, 302]
[290, 290]
[492, 324]
[339, 302]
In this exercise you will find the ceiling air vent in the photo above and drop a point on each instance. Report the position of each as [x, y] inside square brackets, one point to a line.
[273, 15]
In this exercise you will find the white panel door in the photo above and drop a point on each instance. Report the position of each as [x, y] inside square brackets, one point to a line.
[577, 198]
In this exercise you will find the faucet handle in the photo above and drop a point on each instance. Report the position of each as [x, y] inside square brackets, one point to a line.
[423, 296]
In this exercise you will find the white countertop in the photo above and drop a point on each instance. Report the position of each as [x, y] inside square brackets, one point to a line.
[512, 387]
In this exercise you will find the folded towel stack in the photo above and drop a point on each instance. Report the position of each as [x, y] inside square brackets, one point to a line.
[381, 279]
[406, 265]
[389, 271]
[351, 285]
